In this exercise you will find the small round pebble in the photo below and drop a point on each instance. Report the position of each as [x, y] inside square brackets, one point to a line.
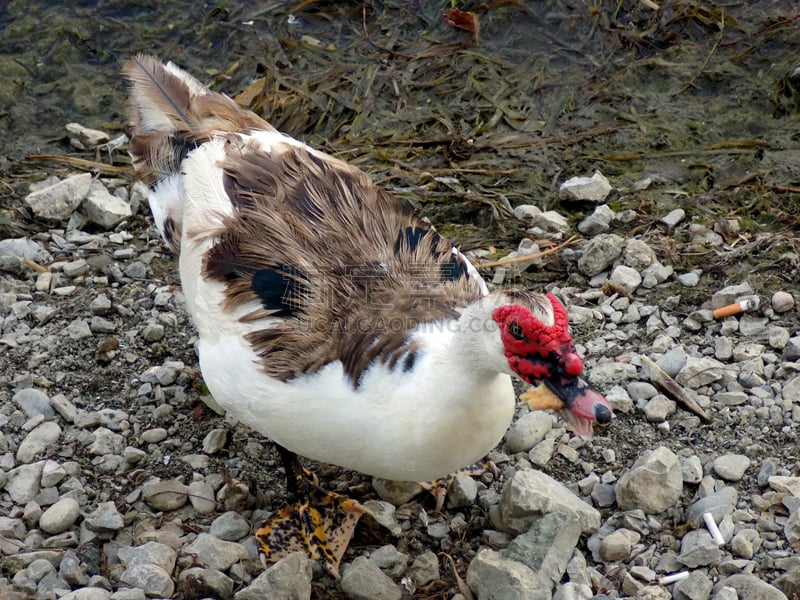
[731, 467]
[782, 302]
[61, 516]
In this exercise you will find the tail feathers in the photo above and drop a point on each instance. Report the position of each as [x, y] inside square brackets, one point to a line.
[172, 112]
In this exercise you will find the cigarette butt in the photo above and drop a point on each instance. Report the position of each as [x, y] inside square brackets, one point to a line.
[667, 579]
[736, 308]
[716, 535]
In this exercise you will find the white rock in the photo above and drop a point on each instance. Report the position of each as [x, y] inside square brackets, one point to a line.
[782, 302]
[105, 209]
[653, 484]
[37, 441]
[627, 277]
[58, 201]
[674, 217]
[88, 138]
[60, 516]
[595, 188]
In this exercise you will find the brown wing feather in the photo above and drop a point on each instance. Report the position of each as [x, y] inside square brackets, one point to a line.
[369, 270]
[172, 112]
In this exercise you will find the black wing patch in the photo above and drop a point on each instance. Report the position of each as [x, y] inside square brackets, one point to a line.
[282, 292]
[454, 269]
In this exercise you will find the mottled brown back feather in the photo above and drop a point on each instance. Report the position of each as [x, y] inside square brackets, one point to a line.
[364, 290]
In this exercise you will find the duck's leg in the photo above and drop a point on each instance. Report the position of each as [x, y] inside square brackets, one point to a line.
[314, 521]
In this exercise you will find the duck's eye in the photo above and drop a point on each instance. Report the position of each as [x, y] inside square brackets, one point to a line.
[516, 331]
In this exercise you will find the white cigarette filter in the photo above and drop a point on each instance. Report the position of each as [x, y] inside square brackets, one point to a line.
[716, 534]
[667, 579]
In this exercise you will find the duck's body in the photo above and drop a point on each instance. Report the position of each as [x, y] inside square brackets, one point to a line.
[330, 318]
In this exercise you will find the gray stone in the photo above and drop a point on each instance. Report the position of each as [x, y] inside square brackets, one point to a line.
[103, 208]
[390, 560]
[731, 467]
[573, 591]
[528, 431]
[60, 516]
[789, 582]
[105, 518]
[62, 405]
[690, 279]
[599, 253]
[152, 579]
[230, 526]
[150, 553]
[424, 569]
[22, 483]
[700, 371]
[37, 441]
[618, 544]
[750, 587]
[659, 408]
[363, 580]
[154, 436]
[15, 251]
[198, 583]
[608, 374]
[34, 402]
[288, 579]
[215, 441]
[594, 189]
[638, 255]
[730, 294]
[384, 514]
[698, 549]
[462, 491]
[216, 553]
[201, 495]
[745, 543]
[782, 302]
[673, 217]
[492, 576]
[106, 442]
[695, 587]
[547, 547]
[653, 484]
[165, 495]
[88, 593]
[396, 492]
[720, 504]
[627, 277]
[531, 494]
[598, 222]
[57, 202]
[691, 469]
[782, 483]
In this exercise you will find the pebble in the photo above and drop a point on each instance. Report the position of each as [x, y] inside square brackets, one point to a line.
[105, 518]
[215, 553]
[57, 201]
[60, 516]
[363, 580]
[201, 495]
[598, 222]
[289, 579]
[105, 209]
[601, 251]
[165, 495]
[617, 546]
[654, 483]
[528, 431]
[37, 441]
[199, 582]
[782, 302]
[594, 189]
[731, 467]
[673, 217]
[530, 494]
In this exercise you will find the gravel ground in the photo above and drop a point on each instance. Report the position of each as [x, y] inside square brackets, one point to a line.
[117, 481]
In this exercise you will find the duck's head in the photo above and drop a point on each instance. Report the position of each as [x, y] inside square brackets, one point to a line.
[536, 342]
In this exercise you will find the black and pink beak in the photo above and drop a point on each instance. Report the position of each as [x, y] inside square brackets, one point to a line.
[582, 404]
